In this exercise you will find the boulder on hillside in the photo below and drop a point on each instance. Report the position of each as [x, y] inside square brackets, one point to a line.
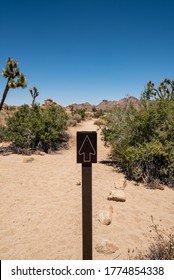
[49, 102]
[105, 246]
[105, 216]
[86, 106]
[117, 195]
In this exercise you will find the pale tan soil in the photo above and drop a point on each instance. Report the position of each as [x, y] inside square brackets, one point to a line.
[40, 206]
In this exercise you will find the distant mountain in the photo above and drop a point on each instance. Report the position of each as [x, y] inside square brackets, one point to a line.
[107, 104]
[85, 105]
[104, 105]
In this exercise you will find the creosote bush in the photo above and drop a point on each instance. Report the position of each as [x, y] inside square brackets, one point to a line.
[2, 133]
[143, 140]
[79, 112]
[98, 113]
[34, 128]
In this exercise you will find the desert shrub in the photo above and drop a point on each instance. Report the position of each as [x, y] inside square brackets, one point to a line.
[72, 122]
[80, 112]
[98, 113]
[36, 128]
[118, 127]
[161, 246]
[143, 141]
[77, 117]
[2, 133]
[74, 119]
[94, 109]
[100, 122]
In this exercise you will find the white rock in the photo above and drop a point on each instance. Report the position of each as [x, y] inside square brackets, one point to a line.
[39, 153]
[105, 216]
[105, 246]
[117, 195]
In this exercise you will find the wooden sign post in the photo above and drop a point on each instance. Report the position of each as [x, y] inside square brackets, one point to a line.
[87, 154]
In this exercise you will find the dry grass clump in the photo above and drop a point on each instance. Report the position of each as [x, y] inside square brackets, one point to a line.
[162, 246]
[155, 184]
[100, 122]
[74, 120]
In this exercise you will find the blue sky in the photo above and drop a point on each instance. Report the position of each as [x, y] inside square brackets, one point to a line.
[87, 50]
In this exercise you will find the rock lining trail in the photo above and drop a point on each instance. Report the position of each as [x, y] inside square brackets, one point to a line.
[40, 204]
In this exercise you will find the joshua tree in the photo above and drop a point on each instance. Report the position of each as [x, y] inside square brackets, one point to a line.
[14, 78]
[164, 91]
[34, 93]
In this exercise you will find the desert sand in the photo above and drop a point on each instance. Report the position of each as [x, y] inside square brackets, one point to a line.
[41, 211]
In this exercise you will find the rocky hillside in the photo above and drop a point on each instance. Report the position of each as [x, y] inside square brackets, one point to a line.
[48, 102]
[87, 106]
[107, 104]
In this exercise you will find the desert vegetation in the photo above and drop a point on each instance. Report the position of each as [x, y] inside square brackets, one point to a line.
[31, 128]
[142, 140]
[34, 128]
[161, 245]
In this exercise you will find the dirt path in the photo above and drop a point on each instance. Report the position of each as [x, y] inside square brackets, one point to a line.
[40, 204]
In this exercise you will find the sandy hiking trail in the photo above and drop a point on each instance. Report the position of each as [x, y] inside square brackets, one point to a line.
[41, 211]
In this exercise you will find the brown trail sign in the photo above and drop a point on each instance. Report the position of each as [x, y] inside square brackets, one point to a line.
[87, 154]
[86, 147]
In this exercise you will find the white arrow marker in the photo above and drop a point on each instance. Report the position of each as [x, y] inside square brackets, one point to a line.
[87, 149]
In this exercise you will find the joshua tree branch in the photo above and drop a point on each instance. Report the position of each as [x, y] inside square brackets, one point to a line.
[4, 95]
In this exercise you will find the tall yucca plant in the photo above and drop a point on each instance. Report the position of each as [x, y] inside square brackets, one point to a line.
[34, 93]
[14, 77]
[165, 91]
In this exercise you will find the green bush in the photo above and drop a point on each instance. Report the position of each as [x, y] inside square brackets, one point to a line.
[98, 113]
[2, 133]
[143, 141]
[36, 128]
[77, 117]
[81, 112]
[72, 122]
[100, 122]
